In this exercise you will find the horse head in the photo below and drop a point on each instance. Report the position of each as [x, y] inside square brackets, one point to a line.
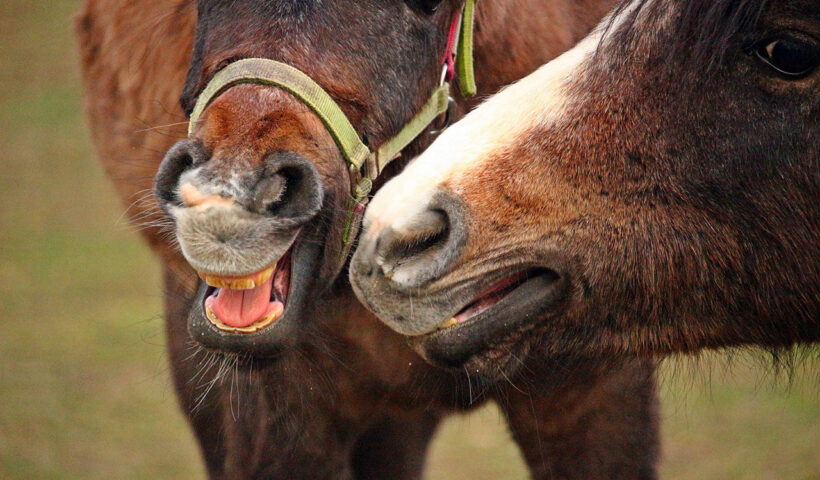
[652, 190]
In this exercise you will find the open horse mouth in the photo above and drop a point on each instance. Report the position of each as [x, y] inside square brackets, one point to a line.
[260, 314]
[248, 303]
[507, 306]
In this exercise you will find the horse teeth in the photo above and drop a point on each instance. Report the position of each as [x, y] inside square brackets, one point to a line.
[212, 317]
[227, 282]
[258, 325]
[264, 275]
[238, 283]
[448, 323]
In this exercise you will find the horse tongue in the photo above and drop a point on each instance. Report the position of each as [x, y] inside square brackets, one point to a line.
[242, 308]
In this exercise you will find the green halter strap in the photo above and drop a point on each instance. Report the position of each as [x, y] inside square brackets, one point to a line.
[364, 165]
[464, 57]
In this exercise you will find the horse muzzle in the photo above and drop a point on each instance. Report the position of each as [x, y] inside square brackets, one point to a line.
[239, 229]
[411, 269]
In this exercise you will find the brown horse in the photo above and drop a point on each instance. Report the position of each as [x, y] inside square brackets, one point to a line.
[325, 391]
[653, 190]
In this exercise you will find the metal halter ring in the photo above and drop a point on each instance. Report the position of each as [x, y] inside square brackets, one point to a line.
[448, 115]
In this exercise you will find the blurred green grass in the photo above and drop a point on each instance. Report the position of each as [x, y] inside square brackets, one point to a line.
[84, 385]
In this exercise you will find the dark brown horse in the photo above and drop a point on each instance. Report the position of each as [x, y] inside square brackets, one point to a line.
[653, 190]
[324, 390]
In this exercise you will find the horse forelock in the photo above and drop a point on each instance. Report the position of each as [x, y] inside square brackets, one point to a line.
[699, 31]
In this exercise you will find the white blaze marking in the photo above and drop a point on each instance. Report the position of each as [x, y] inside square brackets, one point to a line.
[536, 100]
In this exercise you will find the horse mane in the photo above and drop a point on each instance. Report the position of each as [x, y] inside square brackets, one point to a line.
[701, 32]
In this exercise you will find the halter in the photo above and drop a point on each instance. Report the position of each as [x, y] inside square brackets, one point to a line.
[364, 165]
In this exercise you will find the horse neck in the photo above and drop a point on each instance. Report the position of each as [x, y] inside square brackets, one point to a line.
[514, 37]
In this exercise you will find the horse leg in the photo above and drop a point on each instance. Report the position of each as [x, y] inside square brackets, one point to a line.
[395, 447]
[597, 425]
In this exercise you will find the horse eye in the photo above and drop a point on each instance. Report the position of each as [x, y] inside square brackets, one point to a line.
[789, 57]
[424, 6]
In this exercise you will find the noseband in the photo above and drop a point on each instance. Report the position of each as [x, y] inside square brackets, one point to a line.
[364, 165]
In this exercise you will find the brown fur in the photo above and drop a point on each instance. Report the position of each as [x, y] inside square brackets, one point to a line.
[133, 120]
[354, 402]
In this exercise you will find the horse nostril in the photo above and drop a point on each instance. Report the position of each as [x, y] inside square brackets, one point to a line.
[182, 156]
[423, 248]
[427, 233]
[270, 194]
[288, 189]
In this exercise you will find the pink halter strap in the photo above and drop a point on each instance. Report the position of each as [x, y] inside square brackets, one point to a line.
[449, 59]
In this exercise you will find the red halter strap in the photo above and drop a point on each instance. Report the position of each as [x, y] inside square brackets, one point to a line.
[448, 62]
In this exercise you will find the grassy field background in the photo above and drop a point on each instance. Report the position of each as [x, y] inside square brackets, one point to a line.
[84, 386]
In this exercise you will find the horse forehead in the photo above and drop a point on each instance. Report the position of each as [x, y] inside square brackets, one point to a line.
[288, 9]
[297, 18]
